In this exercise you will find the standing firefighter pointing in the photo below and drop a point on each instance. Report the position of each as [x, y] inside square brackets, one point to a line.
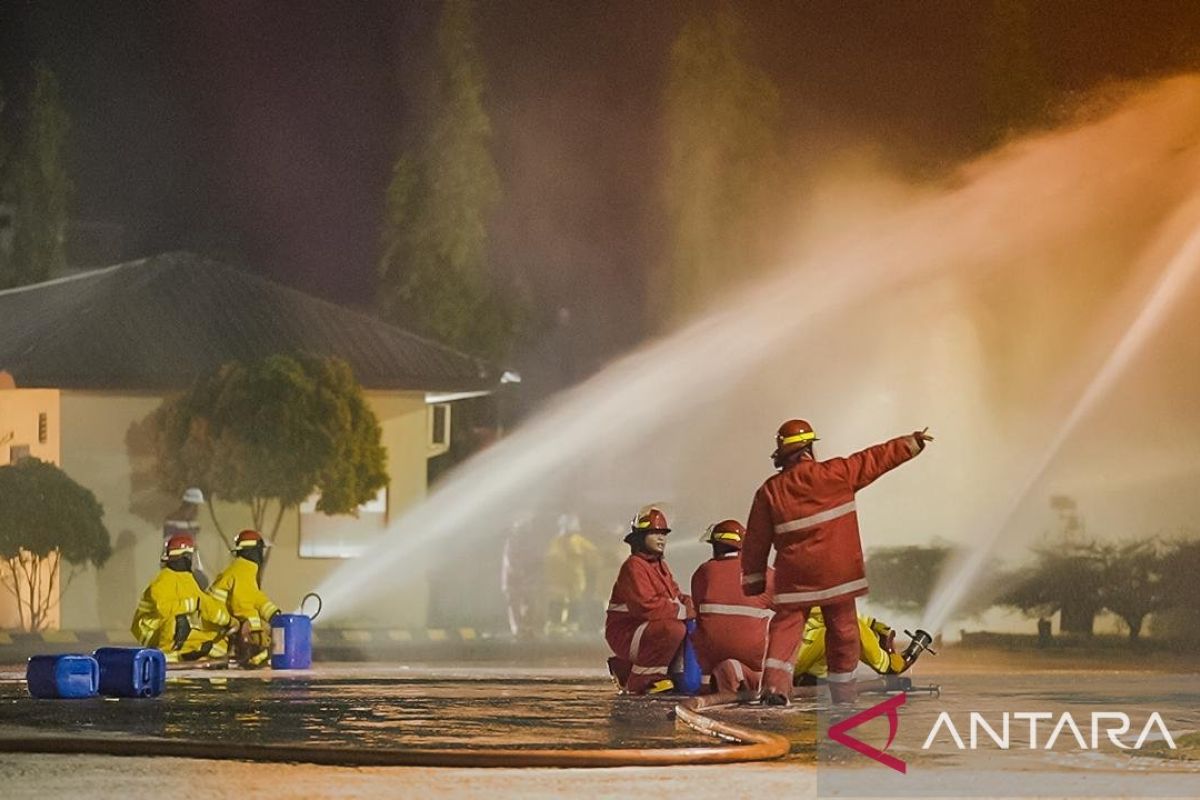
[807, 512]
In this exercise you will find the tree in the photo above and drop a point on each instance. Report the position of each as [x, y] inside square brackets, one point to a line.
[903, 578]
[273, 432]
[5, 194]
[41, 188]
[45, 518]
[1132, 585]
[722, 123]
[434, 275]
[1068, 577]
[1015, 91]
[1181, 565]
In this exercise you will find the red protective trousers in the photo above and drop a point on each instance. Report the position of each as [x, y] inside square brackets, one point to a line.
[841, 648]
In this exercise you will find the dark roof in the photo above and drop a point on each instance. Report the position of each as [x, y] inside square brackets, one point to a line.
[158, 323]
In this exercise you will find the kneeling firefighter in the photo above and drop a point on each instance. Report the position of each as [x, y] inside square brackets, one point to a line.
[174, 615]
[647, 613]
[237, 590]
[731, 629]
[876, 648]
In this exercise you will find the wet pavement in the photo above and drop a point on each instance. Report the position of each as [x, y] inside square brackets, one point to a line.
[368, 707]
[378, 706]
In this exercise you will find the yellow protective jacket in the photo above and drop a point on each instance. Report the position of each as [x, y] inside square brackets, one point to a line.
[169, 595]
[570, 560]
[236, 589]
[811, 657]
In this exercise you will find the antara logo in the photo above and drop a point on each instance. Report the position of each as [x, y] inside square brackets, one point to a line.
[837, 732]
[1113, 724]
[1066, 723]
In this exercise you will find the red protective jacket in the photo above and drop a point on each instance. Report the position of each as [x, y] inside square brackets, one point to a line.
[645, 591]
[729, 624]
[807, 512]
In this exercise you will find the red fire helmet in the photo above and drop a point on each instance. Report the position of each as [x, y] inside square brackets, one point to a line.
[793, 435]
[728, 532]
[178, 545]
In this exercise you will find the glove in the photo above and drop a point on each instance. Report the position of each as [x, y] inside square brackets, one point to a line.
[680, 610]
[887, 640]
[182, 629]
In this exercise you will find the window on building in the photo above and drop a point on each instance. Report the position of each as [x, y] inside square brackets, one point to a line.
[439, 428]
[42, 428]
[16, 452]
[342, 535]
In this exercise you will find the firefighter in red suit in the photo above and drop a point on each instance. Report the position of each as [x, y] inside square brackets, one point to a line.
[807, 513]
[731, 629]
[646, 611]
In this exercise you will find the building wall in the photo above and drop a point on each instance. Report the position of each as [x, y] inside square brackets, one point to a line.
[101, 448]
[288, 577]
[20, 428]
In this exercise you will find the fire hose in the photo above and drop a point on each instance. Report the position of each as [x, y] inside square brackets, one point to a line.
[741, 744]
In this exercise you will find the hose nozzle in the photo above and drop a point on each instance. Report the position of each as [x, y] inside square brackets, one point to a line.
[919, 644]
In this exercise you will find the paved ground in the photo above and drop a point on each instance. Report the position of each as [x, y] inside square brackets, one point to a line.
[374, 705]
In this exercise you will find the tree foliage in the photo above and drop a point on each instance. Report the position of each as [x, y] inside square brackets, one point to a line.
[903, 578]
[722, 128]
[41, 188]
[5, 190]
[45, 518]
[434, 275]
[1066, 577]
[1132, 585]
[1181, 566]
[1082, 578]
[1015, 90]
[273, 432]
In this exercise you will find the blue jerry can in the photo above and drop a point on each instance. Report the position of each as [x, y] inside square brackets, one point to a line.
[291, 641]
[131, 671]
[68, 676]
[689, 679]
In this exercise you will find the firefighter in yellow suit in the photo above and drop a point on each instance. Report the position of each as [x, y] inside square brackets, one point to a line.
[569, 566]
[238, 592]
[175, 616]
[875, 647]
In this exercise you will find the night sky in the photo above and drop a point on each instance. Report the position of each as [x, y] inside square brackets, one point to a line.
[265, 132]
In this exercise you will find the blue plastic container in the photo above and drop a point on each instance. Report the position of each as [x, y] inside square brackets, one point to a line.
[67, 676]
[131, 671]
[291, 641]
[689, 677]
